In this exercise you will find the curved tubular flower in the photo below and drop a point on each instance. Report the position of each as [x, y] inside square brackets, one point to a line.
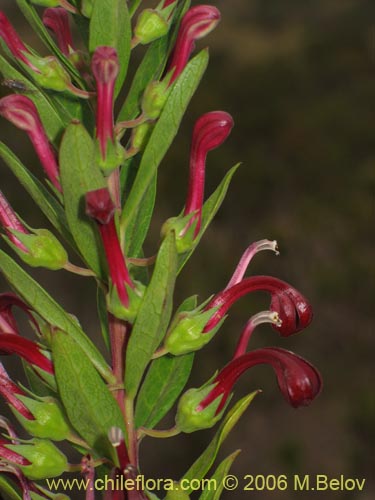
[26, 349]
[23, 482]
[196, 23]
[22, 112]
[100, 207]
[247, 257]
[57, 20]
[292, 307]
[7, 321]
[105, 67]
[14, 42]
[10, 220]
[298, 380]
[210, 131]
[9, 390]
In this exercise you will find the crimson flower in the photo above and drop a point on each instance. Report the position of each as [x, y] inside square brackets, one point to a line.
[57, 20]
[196, 23]
[22, 112]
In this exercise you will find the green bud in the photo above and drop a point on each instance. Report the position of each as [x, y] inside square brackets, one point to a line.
[86, 7]
[49, 423]
[184, 239]
[177, 493]
[44, 249]
[189, 419]
[117, 308]
[154, 98]
[46, 460]
[52, 75]
[186, 334]
[114, 156]
[150, 26]
[140, 136]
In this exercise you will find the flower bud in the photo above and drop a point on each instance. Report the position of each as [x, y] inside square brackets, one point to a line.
[45, 460]
[42, 249]
[48, 420]
[189, 416]
[150, 26]
[140, 136]
[86, 7]
[57, 20]
[154, 99]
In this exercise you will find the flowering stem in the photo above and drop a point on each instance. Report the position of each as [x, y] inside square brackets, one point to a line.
[161, 434]
[118, 330]
[82, 271]
[132, 437]
[120, 126]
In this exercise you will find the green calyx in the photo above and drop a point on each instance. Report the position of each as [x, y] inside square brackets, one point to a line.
[150, 26]
[184, 237]
[189, 418]
[49, 423]
[86, 7]
[140, 136]
[43, 249]
[51, 74]
[45, 459]
[118, 309]
[186, 334]
[114, 156]
[154, 99]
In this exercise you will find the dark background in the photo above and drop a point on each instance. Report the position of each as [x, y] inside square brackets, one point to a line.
[299, 80]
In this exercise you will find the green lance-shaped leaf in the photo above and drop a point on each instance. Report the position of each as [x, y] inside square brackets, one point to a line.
[110, 25]
[201, 466]
[164, 382]
[79, 174]
[8, 489]
[90, 406]
[153, 316]
[50, 310]
[215, 487]
[210, 208]
[41, 196]
[162, 136]
[53, 123]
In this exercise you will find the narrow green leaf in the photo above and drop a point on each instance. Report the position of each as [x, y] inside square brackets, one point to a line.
[49, 310]
[210, 493]
[153, 316]
[41, 196]
[90, 406]
[8, 490]
[210, 208]
[52, 122]
[137, 230]
[163, 134]
[79, 174]
[200, 467]
[164, 382]
[110, 25]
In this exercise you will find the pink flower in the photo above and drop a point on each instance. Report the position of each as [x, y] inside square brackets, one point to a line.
[21, 112]
[196, 23]
[14, 42]
[57, 20]
[9, 390]
[100, 207]
[26, 349]
[210, 131]
[298, 380]
[292, 307]
[105, 67]
[9, 220]
[7, 320]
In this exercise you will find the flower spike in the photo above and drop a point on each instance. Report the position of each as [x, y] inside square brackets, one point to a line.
[299, 382]
[196, 23]
[57, 20]
[22, 112]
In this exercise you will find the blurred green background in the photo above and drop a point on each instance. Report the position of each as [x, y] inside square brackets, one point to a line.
[299, 80]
